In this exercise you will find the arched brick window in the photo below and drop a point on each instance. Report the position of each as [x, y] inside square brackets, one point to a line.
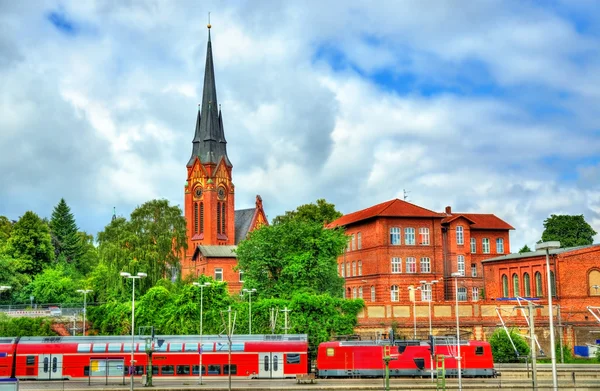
[504, 286]
[527, 284]
[515, 281]
[594, 283]
[552, 284]
[538, 285]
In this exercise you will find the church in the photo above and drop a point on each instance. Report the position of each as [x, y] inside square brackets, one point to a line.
[214, 226]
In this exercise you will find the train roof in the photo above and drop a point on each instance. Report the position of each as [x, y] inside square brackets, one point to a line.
[167, 338]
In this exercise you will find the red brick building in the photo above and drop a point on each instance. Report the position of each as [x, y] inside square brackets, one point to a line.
[214, 226]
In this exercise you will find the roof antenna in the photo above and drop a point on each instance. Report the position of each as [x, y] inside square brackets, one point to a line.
[405, 196]
[208, 25]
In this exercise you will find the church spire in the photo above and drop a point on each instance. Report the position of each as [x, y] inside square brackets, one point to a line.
[209, 143]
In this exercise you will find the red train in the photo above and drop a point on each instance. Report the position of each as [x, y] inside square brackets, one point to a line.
[410, 358]
[261, 356]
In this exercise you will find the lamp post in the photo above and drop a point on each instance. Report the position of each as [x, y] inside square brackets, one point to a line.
[85, 292]
[458, 357]
[414, 299]
[596, 287]
[133, 278]
[249, 292]
[549, 246]
[201, 286]
[429, 286]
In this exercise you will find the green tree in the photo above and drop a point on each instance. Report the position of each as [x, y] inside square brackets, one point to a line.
[321, 212]
[88, 257]
[67, 243]
[29, 327]
[291, 257]
[571, 231]
[5, 229]
[525, 249]
[502, 349]
[30, 243]
[52, 285]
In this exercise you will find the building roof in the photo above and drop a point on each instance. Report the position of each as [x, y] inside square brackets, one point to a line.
[480, 220]
[216, 251]
[538, 253]
[243, 220]
[392, 208]
[209, 144]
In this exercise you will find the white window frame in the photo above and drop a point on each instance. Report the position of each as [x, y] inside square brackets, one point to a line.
[409, 236]
[473, 246]
[485, 245]
[219, 274]
[499, 246]
[348, 270]
[360, 268]
[411, 265]
[426, 292]
[425, 265]
[360, 292]
[373, 294]
[395, 236]
[424, 236]
[394, 293]
[353, 242]
[359, 240]
[460, 264]
[396, 265]
[462, 293]
[473, 270]
[343, 269]
[354, 293]
[475, 293]
[354, 268]
[460, 234]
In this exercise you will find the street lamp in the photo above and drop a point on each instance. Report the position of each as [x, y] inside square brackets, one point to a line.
[596, 287]
[85, 292]
[429, 286]
[458, 357]
[550, 246]
[414, 299]
[201, 318]
[133, 278]
[249, 292]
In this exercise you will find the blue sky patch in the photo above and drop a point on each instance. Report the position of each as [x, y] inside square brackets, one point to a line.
[62, 23]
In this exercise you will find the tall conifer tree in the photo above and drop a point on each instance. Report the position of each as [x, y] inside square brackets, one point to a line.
[63, 228]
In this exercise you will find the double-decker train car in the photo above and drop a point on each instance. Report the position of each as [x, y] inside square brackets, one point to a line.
[47, 358]
[409, 358]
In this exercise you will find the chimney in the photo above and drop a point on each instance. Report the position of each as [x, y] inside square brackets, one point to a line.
[448, 210]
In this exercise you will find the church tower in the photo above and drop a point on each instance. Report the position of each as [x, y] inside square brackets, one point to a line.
[209, 190]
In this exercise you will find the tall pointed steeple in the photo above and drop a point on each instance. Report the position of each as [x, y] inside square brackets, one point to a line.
[209, 143]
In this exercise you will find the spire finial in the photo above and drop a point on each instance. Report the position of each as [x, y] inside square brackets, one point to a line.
[208, 25]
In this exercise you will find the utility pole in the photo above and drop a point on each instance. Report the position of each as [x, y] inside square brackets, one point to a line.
[229, 327]
[285, 322]
[532, 342]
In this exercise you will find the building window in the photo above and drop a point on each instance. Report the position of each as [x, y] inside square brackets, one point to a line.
[373, 296]
[526, 285]
[473, 270]
[342, 270]
[354, 268]
[425, 265]
[348, 270]
[196, 217]
[552, 284]
[218, 274]
[411, 265]
[409, 236]
[353, 242]
[359, 237]
[396, 265]
[360, 268]
[395, 293]
[424, 236]
[395, 236]
[349, 244]
[504, 286]
[462, 293]
[360, 292]
[218, 218]
[516, 291]
[241, 276]
[485, 243]
[460, 264]
[475, 293]
[473, 245]
[202, 217]
[538, 285]
[500, 246]
[223, 219]
[425, 292]
[460, 238]
[354, 293]
[594, 283]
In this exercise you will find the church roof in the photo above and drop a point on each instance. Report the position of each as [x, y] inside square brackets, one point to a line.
[209, 143]
[243, 220]
[215, 251]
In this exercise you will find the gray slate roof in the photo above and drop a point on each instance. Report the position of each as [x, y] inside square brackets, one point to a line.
[217, 251]
[243, 218]
[538, 253]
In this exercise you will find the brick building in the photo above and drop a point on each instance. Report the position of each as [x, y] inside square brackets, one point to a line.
[214, 227]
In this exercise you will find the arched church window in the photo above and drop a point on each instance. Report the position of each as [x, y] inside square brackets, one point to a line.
[504, 286]
[538, 284]
[218, 218]
[223, 218]
[195, 217]
[202, 217]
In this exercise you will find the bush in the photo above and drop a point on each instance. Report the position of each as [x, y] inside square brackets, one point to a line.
[502, 349]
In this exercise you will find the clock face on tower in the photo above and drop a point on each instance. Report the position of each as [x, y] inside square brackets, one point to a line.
[198, 192]
[221, 193]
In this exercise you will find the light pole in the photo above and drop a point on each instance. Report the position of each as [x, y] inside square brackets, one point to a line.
[249, 292]
[596, 287]
[414, 299]
[133, 278]
[549, 246]
[458, 357]
[201, 286]
[85, 292]
[429, 286]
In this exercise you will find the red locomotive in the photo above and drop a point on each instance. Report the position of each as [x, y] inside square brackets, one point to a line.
[261, 356]
[409, 358]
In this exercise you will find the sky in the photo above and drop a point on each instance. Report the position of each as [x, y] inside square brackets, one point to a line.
[485, 106]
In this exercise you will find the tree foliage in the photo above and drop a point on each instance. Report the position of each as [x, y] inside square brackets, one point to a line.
[525, 249]
[322, 212]
[5, 229]
[66, 241]
[291, 257]
[502, 349]
[53, 285]
[570, 230]
[30, 244]
[21, 327]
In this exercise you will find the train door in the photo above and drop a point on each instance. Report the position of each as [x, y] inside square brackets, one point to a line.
[270, 365]
[50, 366]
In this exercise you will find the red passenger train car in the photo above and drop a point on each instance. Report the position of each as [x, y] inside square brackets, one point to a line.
[47, 358]
[410, 358]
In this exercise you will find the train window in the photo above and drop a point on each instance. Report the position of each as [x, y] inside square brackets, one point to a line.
[266, 363]
[154, 370]
[127, 347]
[293, 358]
[167, 370]
[114, 347]
[30, 360]
[191, 347]
[46, 364]
[161, 348]
[54, 364]
[195, 369]
[84, 347]
[233, 369]
[479, 350]
[207, 347]
[99, 348]
[183, 369]
[275, 363]
[176, 347]
[329, 352]
[214, 369]
[139, 370]
[86, 370]
[237, 347]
